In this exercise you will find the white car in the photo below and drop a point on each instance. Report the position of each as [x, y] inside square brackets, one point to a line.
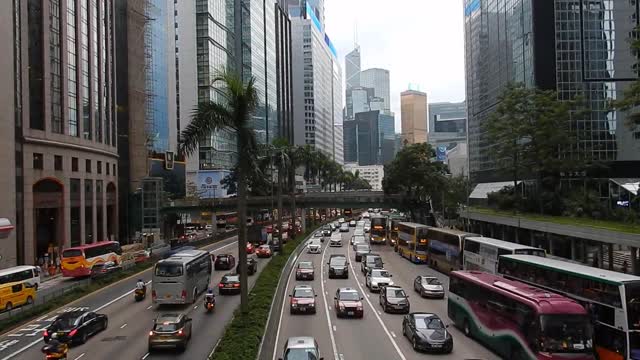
[355, 239]
[314, 247]
[376, 278]
[367, 228]
[340, 221]
[336, 240]
[352, 223]
[344, 227]
[360, 223]
[359, 231]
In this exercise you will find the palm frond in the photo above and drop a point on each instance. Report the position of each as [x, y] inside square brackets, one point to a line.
[205, 119]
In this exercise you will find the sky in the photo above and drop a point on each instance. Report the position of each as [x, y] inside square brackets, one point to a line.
[420, 42]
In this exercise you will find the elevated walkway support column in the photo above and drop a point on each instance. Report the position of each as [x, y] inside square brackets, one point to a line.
[610, 253]
[634, 260]
[303, 219]
[573, 248]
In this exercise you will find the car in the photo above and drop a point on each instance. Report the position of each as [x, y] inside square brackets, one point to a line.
[326, 230]
[314, 247]
[224, 262]
[370, 261]
[229, 284]
[341, 220]
[377, 278]
[360, 239]
[344, 227]
[348, 302]
[394, 299]
[303, 300]
[263, 251]
[305, 270]
[170, 331]
[427, 332]
[358, 232]
[338, 266]
[252, 266]
[336, 240]
[360, 223]
[250, 248]
[334, 226]
[352, 223]
[366, 215]
[317, 235]
[103, 269]
[75, 327]
[361, 249]
[301, 347]
[428, 286]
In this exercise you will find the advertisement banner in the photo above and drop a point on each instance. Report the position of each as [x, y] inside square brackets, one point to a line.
[441, 153]
[208, 184]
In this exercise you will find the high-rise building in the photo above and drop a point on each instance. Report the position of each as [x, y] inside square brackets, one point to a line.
[378, 79]
[337, 114]
[362, 139]
[373, 174]
[588, 55]
[338, 144]
[58, 128]
[352, 68]
[413, 105]
[317, 102]
[447, 124]
[357, 100]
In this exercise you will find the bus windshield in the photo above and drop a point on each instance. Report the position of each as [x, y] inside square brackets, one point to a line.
[169, 269]
[72, 253]
[565, 333]
[632, 291]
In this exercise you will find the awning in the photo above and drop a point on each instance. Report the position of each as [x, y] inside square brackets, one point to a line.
[482, 191]
[630, 184]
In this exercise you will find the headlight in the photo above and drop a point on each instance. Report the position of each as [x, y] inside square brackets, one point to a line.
[390, 282]
[312, 304]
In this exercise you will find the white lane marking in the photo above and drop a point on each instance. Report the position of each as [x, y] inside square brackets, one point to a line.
[145, 356]
[284, 302]
[329, 307]
[341, 357]
[149, 307]
[123, 326]
[334, 328]
[195, 307]
[35, 342]
[384, 327]
[368, 295]
[379, 312]
[326, 305]
[393, 334]
[81, 355]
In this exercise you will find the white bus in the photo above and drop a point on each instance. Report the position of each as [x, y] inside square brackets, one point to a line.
[26, 273]
[179, 278]
[482, 253]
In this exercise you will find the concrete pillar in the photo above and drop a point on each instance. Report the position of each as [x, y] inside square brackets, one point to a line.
[634, 260]
[572, 243]
[610, 246]
[492, 230]
[504, 233]
[516, 238]
[598, 255]
[303, 219]
[82, 214]
[550, 241]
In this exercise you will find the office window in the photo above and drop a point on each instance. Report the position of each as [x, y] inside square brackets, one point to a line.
[74, 164]
[88, 165]
[106, 166]
[114, 170]
[99, 167]
[57, 163]
[38, 162]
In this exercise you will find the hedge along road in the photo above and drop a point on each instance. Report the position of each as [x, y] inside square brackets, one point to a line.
[129, 322]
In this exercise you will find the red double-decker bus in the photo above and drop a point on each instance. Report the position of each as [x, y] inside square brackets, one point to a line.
[519, 321]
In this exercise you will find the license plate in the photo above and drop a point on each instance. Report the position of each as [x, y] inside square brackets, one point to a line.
[350, 313]
[228, 286]
[303, 309]
[168, 296]
[60, 334]
[436, 345]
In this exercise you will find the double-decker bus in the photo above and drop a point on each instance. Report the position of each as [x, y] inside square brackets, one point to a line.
[181, 277]
[348, 213]
[612, 298]
[412, 242]
[519, 321]
[482, 253]
[78, 261]
[392, 230]
[378, 230]
[445, 248]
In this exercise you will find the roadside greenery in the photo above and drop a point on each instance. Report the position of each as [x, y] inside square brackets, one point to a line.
[242, 336]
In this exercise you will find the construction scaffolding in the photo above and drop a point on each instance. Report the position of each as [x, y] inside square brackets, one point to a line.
[151, 14]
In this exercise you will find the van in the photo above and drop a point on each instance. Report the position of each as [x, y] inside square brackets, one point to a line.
[16, 294]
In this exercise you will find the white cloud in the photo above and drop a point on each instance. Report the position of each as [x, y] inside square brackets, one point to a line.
[421, 42]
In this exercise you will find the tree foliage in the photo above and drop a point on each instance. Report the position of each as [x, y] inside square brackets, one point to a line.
[631, 96]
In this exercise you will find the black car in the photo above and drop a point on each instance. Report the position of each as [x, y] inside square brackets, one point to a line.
[338, 266]
[305, 271]
[230, 284]
[427, 332]
[252, 266]
[109, 267]
[370, 261]
[394, 299]
[76, 326]
[224, 262]
[326, 230]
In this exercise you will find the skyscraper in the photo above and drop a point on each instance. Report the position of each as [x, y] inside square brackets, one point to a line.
[588, 56]
[378, 80]
[352, 68]
[447, 124]
[362, 139]
[337, 114]
[413, 105]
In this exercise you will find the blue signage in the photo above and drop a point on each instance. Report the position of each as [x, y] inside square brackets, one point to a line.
[312, 15]
[330, 45]
[441, 153]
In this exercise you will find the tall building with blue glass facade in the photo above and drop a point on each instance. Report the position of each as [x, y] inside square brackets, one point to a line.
[575, 47]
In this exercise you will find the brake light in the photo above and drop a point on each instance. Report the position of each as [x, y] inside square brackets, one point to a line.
[236, 285]
[153, 294]
[46, 333]
[73, 332]
[294, 301]
[184, 294]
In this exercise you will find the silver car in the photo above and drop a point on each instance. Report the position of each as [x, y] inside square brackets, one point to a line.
[314, 247]
[336, 240]
[301, 347]
[377, 278]
[429, 286]
[361, 249]
[355, 239]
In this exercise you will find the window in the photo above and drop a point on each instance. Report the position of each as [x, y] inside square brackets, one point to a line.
[106, 166]
[74, 164]
[99, 167]
[114, 169]
[88, 165]
[37, 161]
[57, 163]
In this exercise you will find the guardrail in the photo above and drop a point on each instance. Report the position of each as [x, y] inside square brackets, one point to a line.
[45, 295]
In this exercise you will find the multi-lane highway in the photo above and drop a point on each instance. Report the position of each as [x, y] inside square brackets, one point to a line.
[377, 335]
[130, 322]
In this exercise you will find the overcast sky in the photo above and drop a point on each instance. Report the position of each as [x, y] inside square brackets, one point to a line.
[421, 42]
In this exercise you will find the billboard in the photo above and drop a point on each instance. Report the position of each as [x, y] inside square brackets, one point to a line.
[208, 184]
[441, 153]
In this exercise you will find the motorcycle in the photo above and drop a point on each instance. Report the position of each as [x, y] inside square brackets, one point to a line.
[140, 294]
[55, 352]
[209, 305]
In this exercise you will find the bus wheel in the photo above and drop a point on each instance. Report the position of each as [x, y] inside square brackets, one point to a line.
[466, 328]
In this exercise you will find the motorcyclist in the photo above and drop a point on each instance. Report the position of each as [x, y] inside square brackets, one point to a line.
[209, 297]
[55, 346]
[140, 285]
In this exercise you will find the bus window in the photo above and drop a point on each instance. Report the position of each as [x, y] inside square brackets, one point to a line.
[610, 338]
[632, 292]
[16, 288]
[472, 246]
[72, 253]
[169, 269]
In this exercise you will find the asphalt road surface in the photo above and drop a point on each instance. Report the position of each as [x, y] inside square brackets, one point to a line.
[130, 322]
[377, 335]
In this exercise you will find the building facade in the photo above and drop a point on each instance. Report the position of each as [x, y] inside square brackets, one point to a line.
[447, 124]
[378, 79]
[61, 132]
[371, 173]
[413, 105]
[352, 68]
[586, 53]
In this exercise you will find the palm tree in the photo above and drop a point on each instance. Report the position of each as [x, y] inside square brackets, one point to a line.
[281, 160]
[234, 112]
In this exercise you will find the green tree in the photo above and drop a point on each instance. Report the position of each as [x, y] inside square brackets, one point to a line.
[631, 96]
[233, 113]
[282, 162]
[529, 131]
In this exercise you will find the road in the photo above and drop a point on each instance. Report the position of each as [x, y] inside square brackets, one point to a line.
[130, 322]
[378, 335]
